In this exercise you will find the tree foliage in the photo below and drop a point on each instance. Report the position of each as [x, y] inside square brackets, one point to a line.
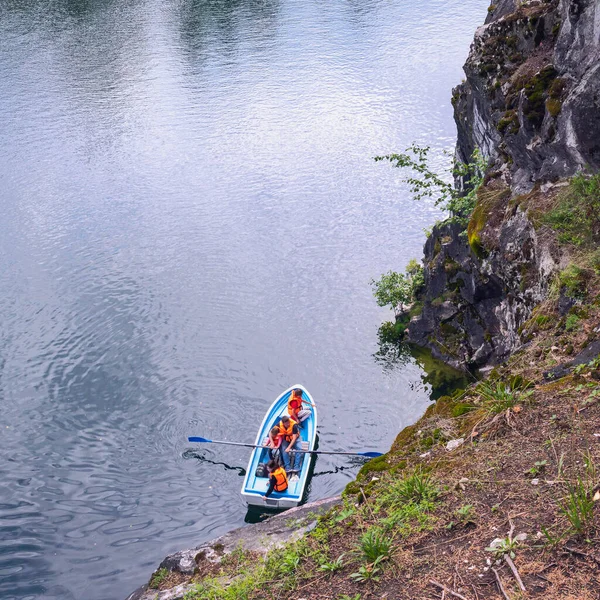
[426, 183]
[398, 290]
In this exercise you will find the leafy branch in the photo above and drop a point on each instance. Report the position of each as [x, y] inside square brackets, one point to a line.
[426, 183]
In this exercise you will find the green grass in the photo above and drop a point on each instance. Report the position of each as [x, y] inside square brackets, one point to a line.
[374, 544]
[572, 323]
[576, 215]
[578, 506]
[158, 578]
[498, 396]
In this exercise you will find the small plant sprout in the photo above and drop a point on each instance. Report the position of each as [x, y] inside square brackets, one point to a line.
[538, 466]
[369, 572]
[465, 512]
[334, 565]
[502, 547]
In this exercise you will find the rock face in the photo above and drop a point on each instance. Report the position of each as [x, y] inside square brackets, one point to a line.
[531, 104]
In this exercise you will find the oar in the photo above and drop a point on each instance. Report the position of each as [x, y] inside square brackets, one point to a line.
[205, 441]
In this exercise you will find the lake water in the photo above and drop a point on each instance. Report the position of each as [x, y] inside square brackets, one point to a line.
[191, 217]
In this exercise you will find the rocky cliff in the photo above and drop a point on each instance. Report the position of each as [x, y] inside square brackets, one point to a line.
[531, 104]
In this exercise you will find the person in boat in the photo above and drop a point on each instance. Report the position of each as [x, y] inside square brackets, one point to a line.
[295, 410]
[290, 441]
[273, 444]
[278, 481]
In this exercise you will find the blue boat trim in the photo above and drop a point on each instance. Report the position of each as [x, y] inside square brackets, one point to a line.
[254, 488]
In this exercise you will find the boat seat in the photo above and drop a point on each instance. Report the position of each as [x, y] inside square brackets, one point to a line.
[304, 445]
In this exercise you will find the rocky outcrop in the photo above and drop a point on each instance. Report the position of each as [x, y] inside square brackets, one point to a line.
[258, 538]
[531, 104]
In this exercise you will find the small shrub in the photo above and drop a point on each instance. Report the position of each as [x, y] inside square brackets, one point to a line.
[399, 289]
[374, 544]
[417, 487]
[500, 395]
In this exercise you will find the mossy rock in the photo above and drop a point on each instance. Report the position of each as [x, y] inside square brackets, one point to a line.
[553, 106]
[509, 123]
[487, 201]
[536, 90]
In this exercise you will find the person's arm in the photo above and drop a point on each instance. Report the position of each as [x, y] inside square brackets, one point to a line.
[308, 402]
[293, 440]
[272, 482]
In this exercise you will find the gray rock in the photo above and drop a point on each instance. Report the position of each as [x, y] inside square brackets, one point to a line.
[476, 303]
[258, 537]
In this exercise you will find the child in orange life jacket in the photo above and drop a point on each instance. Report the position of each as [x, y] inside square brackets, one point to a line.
[290, 440]
[278, 480]
[295, 410]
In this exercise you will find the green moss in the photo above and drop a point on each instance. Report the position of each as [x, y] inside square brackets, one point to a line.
[509, 123]
[572, 323]
[451, 266]
[487, 201]
[460, 408]
[556, 28]
[573, 281]
[553, 107]
[158, 578]
[535, 92]
[557, 88]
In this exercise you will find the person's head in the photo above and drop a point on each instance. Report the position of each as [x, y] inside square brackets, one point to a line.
[285, 420]
[275, 431]
[272, 466]
[297, 392]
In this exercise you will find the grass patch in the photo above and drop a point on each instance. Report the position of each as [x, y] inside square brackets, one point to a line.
[498, 396]
[158, 578]
[576, 215]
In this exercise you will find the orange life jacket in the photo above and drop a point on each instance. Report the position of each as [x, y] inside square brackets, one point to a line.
[294, 404]
[286, 434]
[281, 480]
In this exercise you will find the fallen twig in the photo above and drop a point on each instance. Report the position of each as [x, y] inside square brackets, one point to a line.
[500, 584]
[513, 568]
[446, 589]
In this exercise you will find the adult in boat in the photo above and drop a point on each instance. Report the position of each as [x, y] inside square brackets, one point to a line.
[290, 441]
[278, 480]
[295, 410]
[273, 444]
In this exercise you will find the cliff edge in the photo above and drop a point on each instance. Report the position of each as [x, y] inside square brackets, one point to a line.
[531, 104]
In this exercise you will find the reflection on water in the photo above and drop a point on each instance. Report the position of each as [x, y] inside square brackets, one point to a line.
[190, 220]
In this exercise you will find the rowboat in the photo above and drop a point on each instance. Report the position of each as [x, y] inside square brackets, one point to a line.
[256, 482]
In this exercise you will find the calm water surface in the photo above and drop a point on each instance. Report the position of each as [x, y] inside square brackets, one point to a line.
[190, 220]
